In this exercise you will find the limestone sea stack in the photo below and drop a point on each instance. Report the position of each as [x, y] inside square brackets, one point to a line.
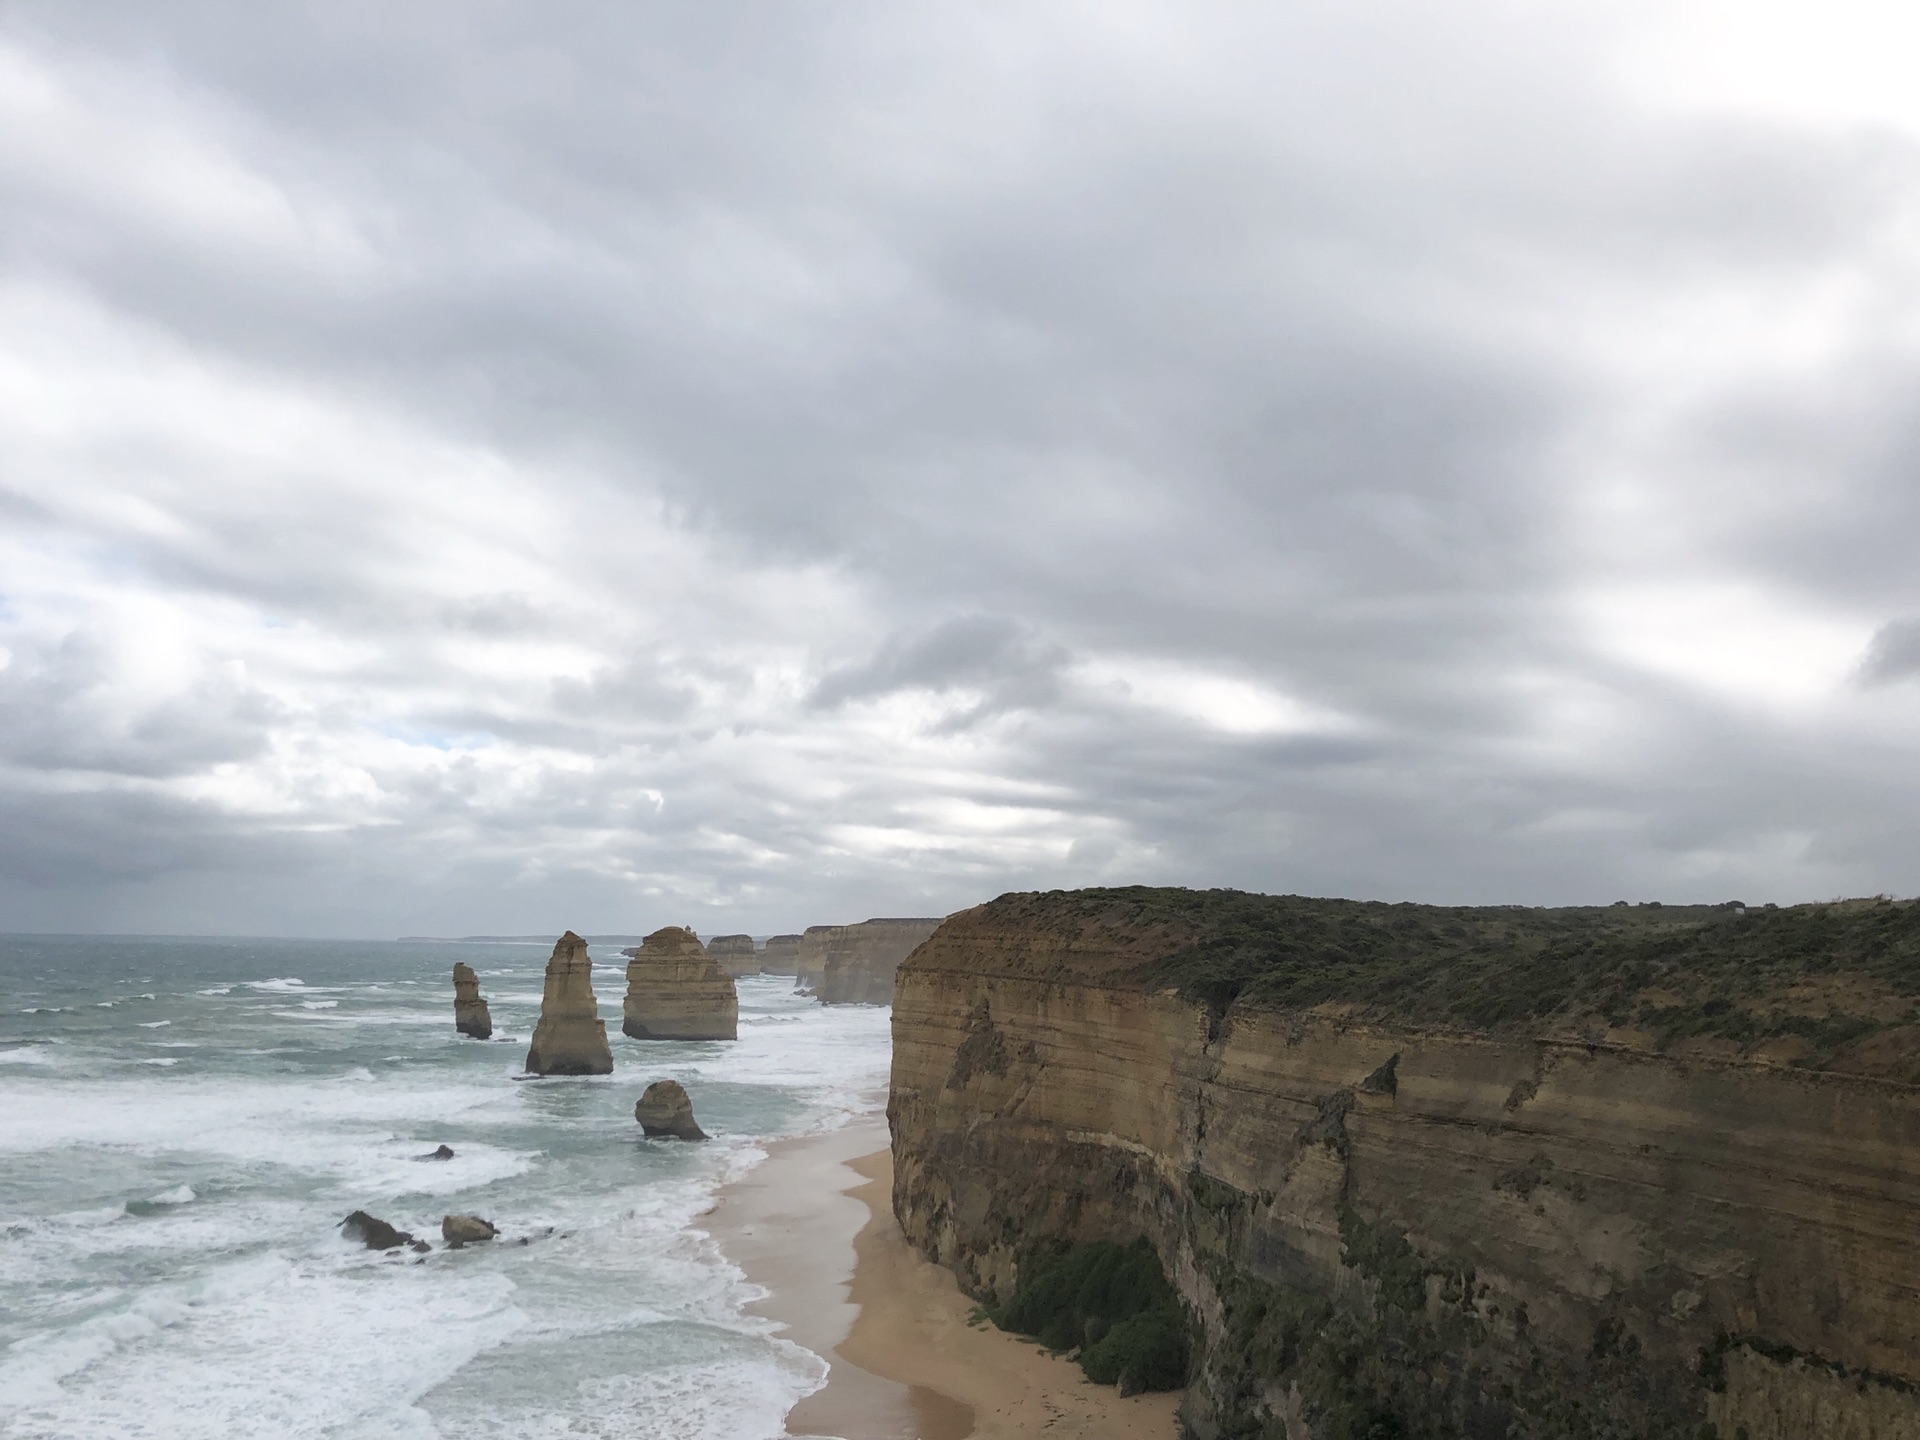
[665, 1111]
[861, 959]
[736, 953]
[781, 955]
[470, 1015]
[677, 991]
[810, 960]
[570, 1039]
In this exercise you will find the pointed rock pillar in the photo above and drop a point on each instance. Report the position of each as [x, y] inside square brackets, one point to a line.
[677, 991]
[570, 1039]
[470, 1015]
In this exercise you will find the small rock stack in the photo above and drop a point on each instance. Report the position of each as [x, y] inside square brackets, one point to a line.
[570, 1039]
[470, 1015]
[736, 953]
[677, 991]
[666, 1112]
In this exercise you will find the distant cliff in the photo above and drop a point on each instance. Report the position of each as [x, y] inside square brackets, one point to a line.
[861, 959]
[1445, 1172]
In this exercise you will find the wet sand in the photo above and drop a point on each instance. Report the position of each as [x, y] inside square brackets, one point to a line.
[814, 1225]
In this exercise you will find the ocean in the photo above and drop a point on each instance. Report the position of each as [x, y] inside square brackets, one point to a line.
[185, 1122]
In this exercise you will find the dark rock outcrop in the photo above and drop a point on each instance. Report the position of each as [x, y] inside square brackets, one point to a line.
[470, 1015]
[1422, 1171]
[780, 955]
[373, 1232]
[570, 1039]
[736, 953]
[861, 959]
[665, 1110]
[444, 1152]
[677, 991]
[463, 1230]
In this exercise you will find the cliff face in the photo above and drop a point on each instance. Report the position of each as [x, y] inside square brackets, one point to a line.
[736, 954]
[781, 955]
[1542, 1223]
[861, 959]
[677, 991]
[570, 1038]
[470, 1014]
[810, 961]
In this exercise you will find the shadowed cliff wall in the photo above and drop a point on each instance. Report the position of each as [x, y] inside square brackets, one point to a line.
[1388, 1218]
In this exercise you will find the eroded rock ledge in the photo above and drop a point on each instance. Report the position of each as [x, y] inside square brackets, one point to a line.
[1461, 1172]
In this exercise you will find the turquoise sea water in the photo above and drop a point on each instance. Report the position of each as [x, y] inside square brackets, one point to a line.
[183, 1123]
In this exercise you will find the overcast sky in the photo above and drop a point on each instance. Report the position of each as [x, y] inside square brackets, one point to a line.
[483, 467]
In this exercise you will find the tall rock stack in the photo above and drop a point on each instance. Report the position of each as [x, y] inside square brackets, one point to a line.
[781, 956]
[736, 953]
[861, 959]
[810, 961]
[570, 1039]
[470, 1015]
[677, 991]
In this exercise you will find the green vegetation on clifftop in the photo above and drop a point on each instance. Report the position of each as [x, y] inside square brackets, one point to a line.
[1828, 974]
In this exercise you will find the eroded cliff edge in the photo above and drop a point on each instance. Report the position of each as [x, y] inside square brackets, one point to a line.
[1419, 1171]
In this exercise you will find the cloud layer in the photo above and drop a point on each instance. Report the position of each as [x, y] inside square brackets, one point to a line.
[476, 468]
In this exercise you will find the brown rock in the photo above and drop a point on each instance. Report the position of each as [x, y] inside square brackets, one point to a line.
[810, 959]
[781, 955]
[677, 991]
[861, 959]
[570, 1039]
[470, 1015]
[665, 1110]
[459, 1230]
[736, 953]
[373, 1232]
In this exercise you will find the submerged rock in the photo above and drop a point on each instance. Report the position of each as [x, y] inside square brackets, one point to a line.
[861, 959]
[677, 991]
[570, 1039]
[736, 953]
[445, 1152]
[470, 1015]
[460, 1230]
[665, 1110]
[373, 1232]
[780, 955]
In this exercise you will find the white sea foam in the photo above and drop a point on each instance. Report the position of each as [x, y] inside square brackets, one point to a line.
[178, 1195]
[41, 1054]
[154, 1024]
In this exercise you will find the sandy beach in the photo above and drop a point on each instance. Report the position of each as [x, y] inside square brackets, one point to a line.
[814, 1225]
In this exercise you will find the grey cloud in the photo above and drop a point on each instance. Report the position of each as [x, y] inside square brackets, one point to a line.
[997, 658]
[1894, 653]
[1300, 350]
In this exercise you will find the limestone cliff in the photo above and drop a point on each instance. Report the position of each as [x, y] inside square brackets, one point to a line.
[810, 961]
[1425, 1172]
[861, 959]
[470, 1016]
[781, 955]
[677, 991]
[736, 954]
[570, 1038]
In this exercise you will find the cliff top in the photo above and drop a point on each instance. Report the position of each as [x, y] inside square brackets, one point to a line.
[1824, 985]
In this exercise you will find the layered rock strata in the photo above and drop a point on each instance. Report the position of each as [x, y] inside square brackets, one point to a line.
[470, 1015]
[780, 955]
[736, 954]
[665, 1110]
[571, 1038]
[677, 991]
[1404, 1188]
[810, 959]
[861, 959]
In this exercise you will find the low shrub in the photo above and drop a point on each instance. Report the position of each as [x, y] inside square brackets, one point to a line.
[1113, 1304]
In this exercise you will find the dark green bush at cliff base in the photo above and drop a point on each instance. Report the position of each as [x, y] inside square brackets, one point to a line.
[1113, 1303]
